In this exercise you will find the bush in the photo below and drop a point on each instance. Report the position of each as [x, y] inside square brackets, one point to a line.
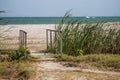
[20, 54]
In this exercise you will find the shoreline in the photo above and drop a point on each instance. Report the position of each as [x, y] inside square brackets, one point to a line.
[118, 22]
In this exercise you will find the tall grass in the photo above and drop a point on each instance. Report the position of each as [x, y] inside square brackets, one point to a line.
[90, 38]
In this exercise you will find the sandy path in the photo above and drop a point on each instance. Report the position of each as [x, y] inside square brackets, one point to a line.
[49, 69]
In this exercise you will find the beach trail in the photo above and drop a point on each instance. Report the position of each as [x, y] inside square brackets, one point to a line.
[49, 69]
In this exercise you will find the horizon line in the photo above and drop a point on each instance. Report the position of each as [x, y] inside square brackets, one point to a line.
[60, 16]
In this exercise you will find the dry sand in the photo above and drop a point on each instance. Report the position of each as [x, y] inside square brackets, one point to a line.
[33, 30]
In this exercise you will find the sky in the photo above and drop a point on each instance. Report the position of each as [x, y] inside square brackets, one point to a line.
[55, 8]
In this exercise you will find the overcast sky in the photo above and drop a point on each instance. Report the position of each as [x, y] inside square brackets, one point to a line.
[48, 8]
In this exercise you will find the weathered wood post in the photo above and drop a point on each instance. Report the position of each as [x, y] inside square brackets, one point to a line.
[55, 42]
[61, 42]
[25, 44]
[51, 40]
[26, 40]
[47, 39]
[19, 38]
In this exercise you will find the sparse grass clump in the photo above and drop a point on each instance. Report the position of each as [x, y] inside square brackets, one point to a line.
[99, 61]
[16, 71]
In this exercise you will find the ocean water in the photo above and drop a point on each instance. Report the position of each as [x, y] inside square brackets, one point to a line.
[54, 20]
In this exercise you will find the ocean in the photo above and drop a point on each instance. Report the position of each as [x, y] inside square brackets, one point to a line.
[54, 20]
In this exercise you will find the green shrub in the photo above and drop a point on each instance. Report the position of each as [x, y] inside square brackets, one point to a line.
[80, 52]
[20, 54]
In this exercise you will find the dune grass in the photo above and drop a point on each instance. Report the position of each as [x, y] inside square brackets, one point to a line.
[88, 38]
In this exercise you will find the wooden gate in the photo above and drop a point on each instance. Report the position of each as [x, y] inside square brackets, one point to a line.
[55, 39]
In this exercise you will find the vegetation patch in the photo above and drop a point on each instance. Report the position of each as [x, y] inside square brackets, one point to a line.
[16, 70]
[15, 65]
[92, 61]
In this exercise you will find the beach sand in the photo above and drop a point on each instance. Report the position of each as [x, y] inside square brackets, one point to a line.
[33, 31]
[36, 36]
